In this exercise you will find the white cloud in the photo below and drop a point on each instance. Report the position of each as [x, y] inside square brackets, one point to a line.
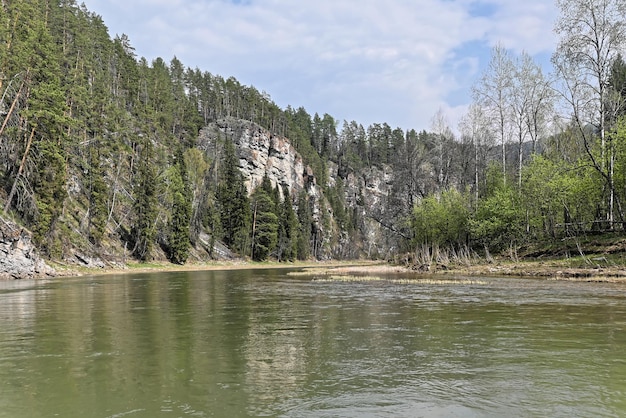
[394, 61]
[525, 26]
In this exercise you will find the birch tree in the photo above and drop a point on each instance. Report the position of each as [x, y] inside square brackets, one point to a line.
[592, 33]
[475, 127]
[493, 93]
[443, 146]
[530, 103]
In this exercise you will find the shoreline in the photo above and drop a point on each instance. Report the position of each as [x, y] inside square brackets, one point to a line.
[65, 270]
[548, 270]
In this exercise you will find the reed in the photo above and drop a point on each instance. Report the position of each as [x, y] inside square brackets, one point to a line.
[433, 257]
[408, 281]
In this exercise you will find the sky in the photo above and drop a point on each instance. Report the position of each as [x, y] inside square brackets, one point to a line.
[371, 61]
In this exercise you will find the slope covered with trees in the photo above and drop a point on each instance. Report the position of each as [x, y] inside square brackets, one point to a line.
[99, 152]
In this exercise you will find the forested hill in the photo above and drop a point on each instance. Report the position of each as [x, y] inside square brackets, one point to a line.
[102, 156]
[108, 157]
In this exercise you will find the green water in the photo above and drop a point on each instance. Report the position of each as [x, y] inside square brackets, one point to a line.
[260, 343]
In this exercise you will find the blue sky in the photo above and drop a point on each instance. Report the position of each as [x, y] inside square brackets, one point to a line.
[394, 61]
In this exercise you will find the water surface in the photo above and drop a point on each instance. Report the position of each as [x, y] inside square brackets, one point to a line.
[261, 343]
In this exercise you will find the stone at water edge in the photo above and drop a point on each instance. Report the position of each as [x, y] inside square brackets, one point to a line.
[18, 256]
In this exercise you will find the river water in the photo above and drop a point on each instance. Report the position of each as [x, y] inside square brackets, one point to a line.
[262, 343]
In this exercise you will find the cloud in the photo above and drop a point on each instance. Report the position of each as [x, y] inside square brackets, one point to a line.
[395, 61]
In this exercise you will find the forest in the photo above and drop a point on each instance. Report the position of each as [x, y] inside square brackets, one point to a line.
[99, 152]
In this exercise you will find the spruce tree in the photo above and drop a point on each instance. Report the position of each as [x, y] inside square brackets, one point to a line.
[178, 239]
[288, 229]
[46, 116]
[145, 206]
[233, 202]
[98, 193]
[264, 224]
[306, 221]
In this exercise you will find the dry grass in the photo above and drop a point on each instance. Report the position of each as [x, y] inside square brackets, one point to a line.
[409, 281]
[368, 270]
[362, 269]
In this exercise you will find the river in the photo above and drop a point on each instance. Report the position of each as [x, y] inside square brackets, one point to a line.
[262, 343]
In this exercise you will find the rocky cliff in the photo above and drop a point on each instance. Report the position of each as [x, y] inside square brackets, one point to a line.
[18, 257]
[364, 192]
[359, 230]
[260, 153]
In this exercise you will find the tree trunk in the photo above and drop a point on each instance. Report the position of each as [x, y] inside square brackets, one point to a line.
[11, 109]
[19, 172]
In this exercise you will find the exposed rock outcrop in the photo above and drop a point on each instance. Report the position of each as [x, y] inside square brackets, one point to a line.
[18, 256]
[366, 192]
[261, 152]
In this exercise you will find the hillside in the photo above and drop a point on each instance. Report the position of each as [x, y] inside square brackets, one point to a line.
[107, 158]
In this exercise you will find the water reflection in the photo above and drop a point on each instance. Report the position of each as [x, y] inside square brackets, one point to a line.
[253, 343]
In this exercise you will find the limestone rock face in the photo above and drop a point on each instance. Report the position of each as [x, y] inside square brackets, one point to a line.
[261, 152]
[18, 256]
[366, 191]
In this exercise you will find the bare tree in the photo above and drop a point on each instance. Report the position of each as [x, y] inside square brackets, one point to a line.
[493, 93]
[475, 127]
[531, 101]
[444, 138]
[592, 33]
[541, 106]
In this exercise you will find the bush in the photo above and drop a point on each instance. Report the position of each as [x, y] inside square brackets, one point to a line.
[441, 220]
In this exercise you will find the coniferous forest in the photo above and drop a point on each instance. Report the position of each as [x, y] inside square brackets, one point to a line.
[100, 156]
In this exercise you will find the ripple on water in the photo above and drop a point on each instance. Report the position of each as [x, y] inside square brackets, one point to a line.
[256, 343]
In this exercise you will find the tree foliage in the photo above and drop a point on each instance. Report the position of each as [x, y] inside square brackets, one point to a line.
[101, 149]
[265, 222]
[178, 239]
[233, 203]
[442, 220]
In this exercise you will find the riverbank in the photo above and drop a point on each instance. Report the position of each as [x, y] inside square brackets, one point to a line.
[598, 269]
[553, 270]
[68, 270]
